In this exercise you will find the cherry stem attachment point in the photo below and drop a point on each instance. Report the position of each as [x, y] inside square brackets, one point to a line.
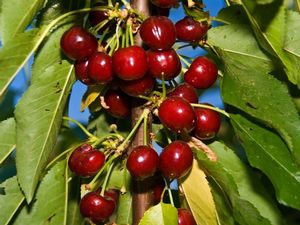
[212, 108]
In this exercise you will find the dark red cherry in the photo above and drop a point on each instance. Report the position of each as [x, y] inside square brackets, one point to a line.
[165, 3]
[142, 162]
[86, 161]
[100, 68]
[130, 63]
[176, 160]
[190, 30]
[81, 72]
[177, 115]
[158, 32]
[202, 73]
[96, 207]
[185, 217]
[158, 189]
[78, 44]
[185, 91]
[158, 11]
[113, 194]
[142, 86]
[207, 123]
[164, 63]
[118, 103]
[96, 17]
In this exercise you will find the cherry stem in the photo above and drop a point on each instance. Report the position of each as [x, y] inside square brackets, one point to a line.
[227, 3]
[184, 60]
[212, 108]
[164, 89]
[100, 25]
[131, 35]
[117, 34]
[144, 97]
[170, 192]
[109, 2]
[212, 48]
[145, 130]
[81, 127]
[106, 179]
[219, 20]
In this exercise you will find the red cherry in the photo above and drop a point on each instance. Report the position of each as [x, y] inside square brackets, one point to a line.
[118, 103]
[81, 72]
[158, 32]
[97, 207]
[86, 161]
[96, 17]
[78, 44]
[207, 123]
[202, 73]
[177, 115]
[130, 63]
[190, 30]
[142, 162]
[186, 92]
[142, 86]
[176, 160]
[158, 189]
[185, 217]
[113, 194]
[100, 68]
[164, 63]
[165, 3]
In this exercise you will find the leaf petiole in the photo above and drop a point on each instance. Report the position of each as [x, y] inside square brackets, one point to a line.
[212, 108]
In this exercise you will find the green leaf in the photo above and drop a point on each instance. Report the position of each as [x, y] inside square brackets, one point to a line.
[15, 54]
[51, 199]
[7, 138]
[201, 202]
[267, 152]
[161, 214]
[16, 16]
[270, 29]
[124, 211]
[251, 203]
[11, 201]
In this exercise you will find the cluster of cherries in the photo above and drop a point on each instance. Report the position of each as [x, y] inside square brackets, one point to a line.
[132, 72]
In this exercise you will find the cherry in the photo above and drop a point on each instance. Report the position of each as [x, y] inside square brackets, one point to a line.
[185, 217]
[85, 161]
[177, 115]
[118, 103]
[158, 32]
[202, 73]
[207, 123]
[190, 30]
[158, 189]
[78, 44]
[100, 68]
[165, 3]
[130, 63]
[164, 63]
[96, 17]
[81, 72]
[176, 160]
[142, 86]
[113, 194]
[142, 162]
[186, 92]
[97, 207]
[158, 11]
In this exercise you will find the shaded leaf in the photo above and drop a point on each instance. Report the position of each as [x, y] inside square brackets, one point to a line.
[51, 200]
[16, 15]
[7, 138]
[199, 197]
[160, 214]
[124, 211]
[251, 203]
[11, 201]
[267, 152]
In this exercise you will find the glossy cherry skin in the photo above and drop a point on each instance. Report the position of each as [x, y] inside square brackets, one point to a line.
[118, 103]
[81, 72]
[185, 217]
[186, 92]
[207, 123]
[158, 32]
[176, 160]
[165, 3]
[202, 73]
[100, 68]
[78, 44]
[142, 86]
[142, 162]
[86, 161]
[190, 30]
[97, 207]
[130, 63]
[177, 114]
[164, 63]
